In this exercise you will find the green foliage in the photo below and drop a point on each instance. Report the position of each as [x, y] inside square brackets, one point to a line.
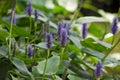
[53, 62]
[79, 55]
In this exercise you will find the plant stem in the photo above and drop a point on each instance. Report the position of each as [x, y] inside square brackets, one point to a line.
[48, 53]
[113, 39]
[76, 13]
[34, 57]
[61, 55]
[30, 24]
[65, 71]
[110, 50]
[98, 78]
[35, 25]
[18, 74]
[104, 33]
[10, 34]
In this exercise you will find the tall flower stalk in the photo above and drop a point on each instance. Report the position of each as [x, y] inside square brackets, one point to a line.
[36, 17]
[49, 40]
[29, 12]
[63, 41]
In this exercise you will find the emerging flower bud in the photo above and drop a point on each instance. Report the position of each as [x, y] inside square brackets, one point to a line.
[30, 51]
[49, 40]
[63, 37]
[114, 27]
[10, 16]
[98, 70]
[29, 8]
[84, 30]
[36, 14]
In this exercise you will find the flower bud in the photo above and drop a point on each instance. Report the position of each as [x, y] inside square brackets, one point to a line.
[114, 27]
[84, 30]
[30, 50]
[98, 70]
[29, 8]
[36, 14]
[49, 40]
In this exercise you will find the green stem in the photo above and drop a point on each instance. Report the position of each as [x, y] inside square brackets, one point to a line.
[98, 78]
[10, 34]
[113, 39]
[35, 25]
[110, 50]
[48, 53]
[30, 24]
[65, 71]
[76, 13]
[34, 57]
[104, 33]
[53, 77]
[61, 55]
[18, 74]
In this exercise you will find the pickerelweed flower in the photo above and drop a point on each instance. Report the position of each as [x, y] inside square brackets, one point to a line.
[36, 14]
[84, 30]
[30, 50]
[10, 16]
[49, 39]
[98, 70]
[114, 27]
[29, 8]
[63, 37]
[61, 25]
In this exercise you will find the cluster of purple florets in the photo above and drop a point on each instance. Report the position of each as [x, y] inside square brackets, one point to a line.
[98, 70]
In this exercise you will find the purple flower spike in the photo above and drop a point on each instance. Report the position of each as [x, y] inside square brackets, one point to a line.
[65, 25]
[10, 17]
[84, 30]
[36, 14]
[30, 51]
[29, 8]
[98, 70]
[61, 25]
[49, 40]
[63, 37]
[114, 27]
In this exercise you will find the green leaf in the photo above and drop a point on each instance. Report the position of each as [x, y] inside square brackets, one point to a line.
[76, 41]
[79, 71]
[90, 19]
[42, 18]
[13, 78]
[72, 77]
[3, 34]
[91, 43]
[96, 30]
[16, 30]
[52, 66]
[41, 45]
[3, 50]
[21, 67]
[58, 78]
